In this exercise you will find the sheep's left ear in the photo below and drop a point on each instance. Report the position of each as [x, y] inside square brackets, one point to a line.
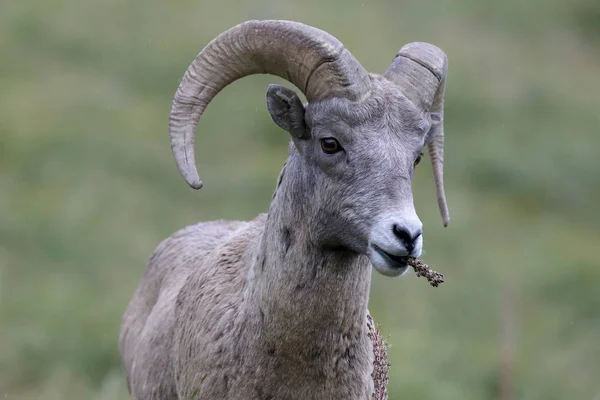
[436, 122]
[287, 111]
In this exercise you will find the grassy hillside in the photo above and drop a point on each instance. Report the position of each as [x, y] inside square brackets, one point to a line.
[88, 186]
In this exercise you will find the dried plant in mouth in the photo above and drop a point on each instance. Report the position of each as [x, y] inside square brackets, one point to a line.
[422, 269]
[381, 365]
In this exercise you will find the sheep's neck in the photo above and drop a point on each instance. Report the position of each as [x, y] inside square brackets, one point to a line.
[311, 301]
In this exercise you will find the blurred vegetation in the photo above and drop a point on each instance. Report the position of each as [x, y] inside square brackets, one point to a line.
[88, 186]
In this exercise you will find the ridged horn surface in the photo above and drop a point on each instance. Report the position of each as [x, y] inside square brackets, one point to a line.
[311, 59]
[420, 70]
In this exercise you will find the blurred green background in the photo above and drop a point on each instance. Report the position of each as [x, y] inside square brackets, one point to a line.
[88, 186]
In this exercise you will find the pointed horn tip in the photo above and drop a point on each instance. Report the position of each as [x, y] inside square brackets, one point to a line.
[192, 179]
[196, 184]
[445, 218]
[188, 171]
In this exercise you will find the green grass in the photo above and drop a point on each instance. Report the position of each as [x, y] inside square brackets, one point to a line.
[88, 186]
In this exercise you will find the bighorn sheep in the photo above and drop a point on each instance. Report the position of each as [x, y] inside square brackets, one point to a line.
[276, 308]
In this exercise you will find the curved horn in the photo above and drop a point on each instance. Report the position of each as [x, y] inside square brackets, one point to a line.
[420, 69]
[312, 60]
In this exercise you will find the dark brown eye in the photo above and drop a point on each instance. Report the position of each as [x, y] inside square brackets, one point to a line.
[418, 160]
[330, 145]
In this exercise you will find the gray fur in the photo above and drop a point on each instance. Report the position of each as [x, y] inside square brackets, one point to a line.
[276, 308]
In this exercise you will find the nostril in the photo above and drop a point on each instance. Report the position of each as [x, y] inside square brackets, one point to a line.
[402, 234]
[406, 237]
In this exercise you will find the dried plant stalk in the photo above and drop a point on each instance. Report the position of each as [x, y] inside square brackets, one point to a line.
[422, 269]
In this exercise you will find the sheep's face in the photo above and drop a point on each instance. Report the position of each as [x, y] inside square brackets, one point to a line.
[355, 164]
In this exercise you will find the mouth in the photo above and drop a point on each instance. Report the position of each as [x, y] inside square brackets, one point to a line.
[394, 261]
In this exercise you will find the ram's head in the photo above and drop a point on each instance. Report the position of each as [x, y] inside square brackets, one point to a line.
[356, 142]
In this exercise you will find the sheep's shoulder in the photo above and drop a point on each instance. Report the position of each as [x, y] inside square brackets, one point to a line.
[208, 304]
[149, 323]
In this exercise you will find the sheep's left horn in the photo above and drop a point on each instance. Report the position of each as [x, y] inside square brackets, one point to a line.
[420, 69]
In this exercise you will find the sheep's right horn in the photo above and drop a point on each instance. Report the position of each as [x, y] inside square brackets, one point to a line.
[420, 69]
[313, 60]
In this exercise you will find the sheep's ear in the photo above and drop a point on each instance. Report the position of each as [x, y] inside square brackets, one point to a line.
[436, 122]
[287, 110]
